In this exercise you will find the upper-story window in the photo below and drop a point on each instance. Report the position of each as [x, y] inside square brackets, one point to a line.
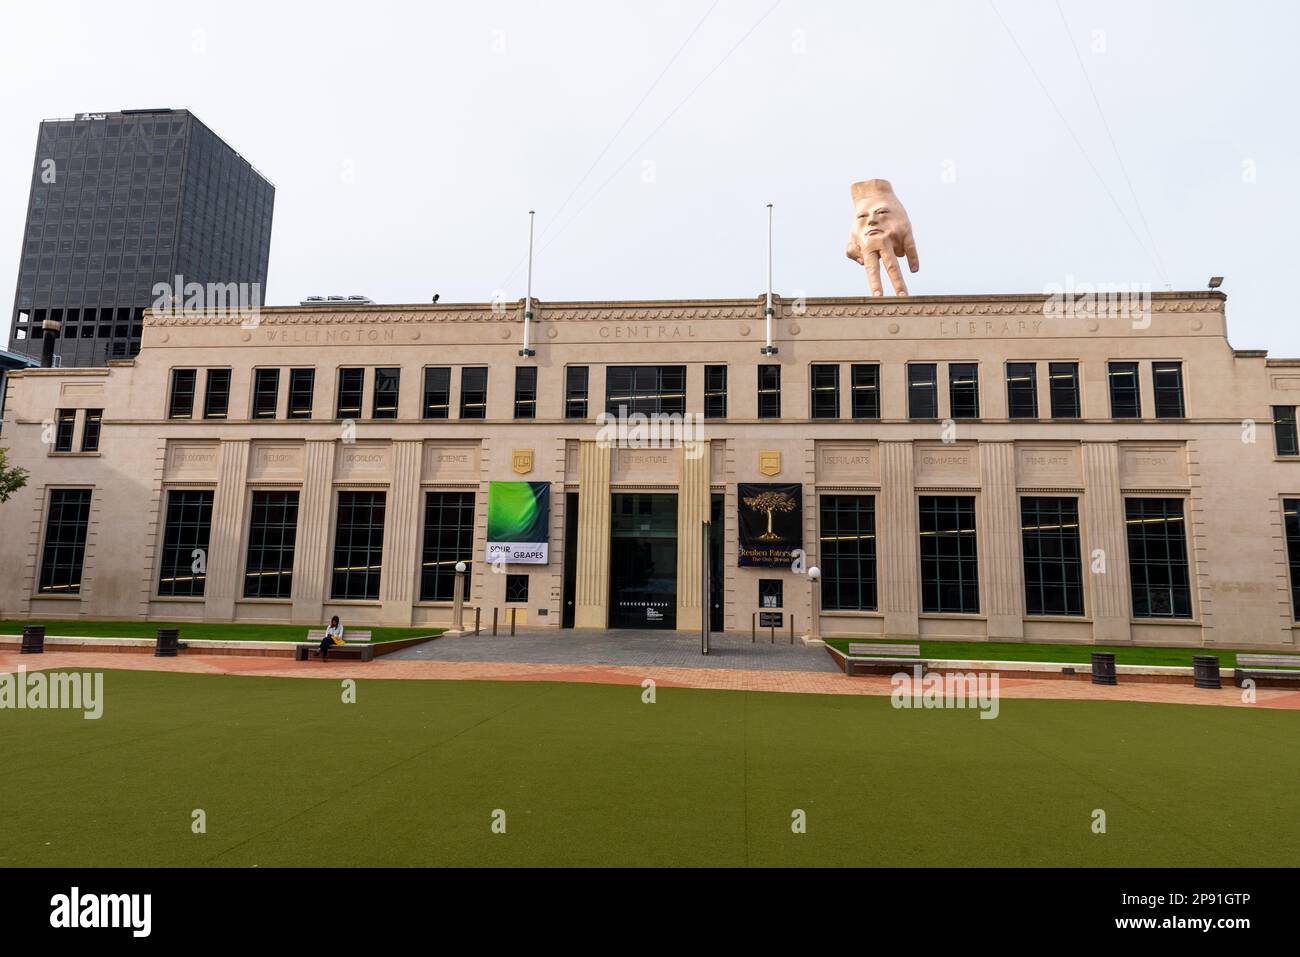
[865, 389]
[1284, 430]
[645, 389]
[90, 430]
[65, 425]
[473, 392]
[1125, 395]
[216, 394]
[715, 392]
[769, 392]
[180, 405]
[387, 388]
[302, 385]
[266, 393]
[575, 392]
[922, 390]
[437, 393]
[1022, 390]
[1063, 389]
[351, 392]
[1167, 380]
[526, 392]
[825, 399]
[964, 390]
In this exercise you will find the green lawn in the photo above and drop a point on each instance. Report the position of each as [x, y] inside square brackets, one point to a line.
[1077, 654]
[199, 631]
[589, 775]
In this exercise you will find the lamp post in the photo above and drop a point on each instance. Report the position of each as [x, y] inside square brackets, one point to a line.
[458, 599]
[814, 599]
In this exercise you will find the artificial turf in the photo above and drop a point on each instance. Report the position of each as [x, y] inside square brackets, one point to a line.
[287, 774]
[1066, 654]
[196, 630]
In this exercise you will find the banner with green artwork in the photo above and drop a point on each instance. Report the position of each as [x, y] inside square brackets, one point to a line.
[518, 522]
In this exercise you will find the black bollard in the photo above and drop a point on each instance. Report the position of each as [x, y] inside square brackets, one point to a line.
[33, 640]
[167, 644]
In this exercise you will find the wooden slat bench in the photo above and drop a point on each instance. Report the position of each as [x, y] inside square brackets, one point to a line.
[868, 658]
[1267, 670]
[356, 644]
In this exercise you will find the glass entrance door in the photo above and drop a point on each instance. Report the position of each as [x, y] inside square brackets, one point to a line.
[643, 561]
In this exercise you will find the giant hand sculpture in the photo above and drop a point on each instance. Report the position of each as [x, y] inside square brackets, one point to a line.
[881, 230]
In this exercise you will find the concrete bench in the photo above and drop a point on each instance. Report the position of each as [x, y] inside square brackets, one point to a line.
[1268, 670]
[356, 644]
[868, 657]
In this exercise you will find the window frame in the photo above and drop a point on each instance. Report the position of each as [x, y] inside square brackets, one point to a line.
[428, 389]
[1037, 584]
[284, 554]
[917, 387]
[867, 395]
[372, 576]
[1015, 373]
[386, 383]
[1176, 390]
[1055, 394]
[53, 540]
[862, 556]
[768, 394]
[477, 408]
[261, 375]
[296, 392]
[934, 601]
[715, 393]
[824, 397]
[177, 556]
[172, 393]
[209, 381]
[576, 394]
[343, 386]
[1114, 369]
[525, 392]
[964, 395]
[1186, 563]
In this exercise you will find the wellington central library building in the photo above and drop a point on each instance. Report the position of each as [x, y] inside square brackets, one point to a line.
[977, 467]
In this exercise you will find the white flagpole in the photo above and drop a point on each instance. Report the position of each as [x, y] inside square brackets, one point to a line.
[528, 300]
[769, 349]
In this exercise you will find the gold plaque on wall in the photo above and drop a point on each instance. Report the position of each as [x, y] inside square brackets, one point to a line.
[769, 463]
[521, 460]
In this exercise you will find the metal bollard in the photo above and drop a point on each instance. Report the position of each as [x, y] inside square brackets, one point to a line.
[753, 627]
[771, 636]
[478, 614]
[494, 621]
[792, 629]
[512, 621]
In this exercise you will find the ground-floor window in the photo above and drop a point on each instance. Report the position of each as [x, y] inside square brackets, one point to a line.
[949, 566]
[1291, 516]
[1157, 558]
[848, 552]
[358, 546]
[183, 573]
[272, 535]
[448, 539]
[65, 541]
[1049, 529]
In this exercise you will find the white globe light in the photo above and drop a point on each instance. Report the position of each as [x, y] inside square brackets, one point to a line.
[814, 573]
[460, 567]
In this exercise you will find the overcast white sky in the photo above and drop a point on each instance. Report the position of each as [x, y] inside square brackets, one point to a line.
[407, 141]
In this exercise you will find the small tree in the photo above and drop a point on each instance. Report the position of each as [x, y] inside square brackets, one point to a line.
[12, 478]
[770, 502]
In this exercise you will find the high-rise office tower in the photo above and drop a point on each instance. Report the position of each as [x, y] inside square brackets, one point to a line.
[119, 203]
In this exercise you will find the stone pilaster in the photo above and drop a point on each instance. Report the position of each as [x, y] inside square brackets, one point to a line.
[1103, 509]
[312, 556]
[897, 551]
[592, 605]
[226, 544]
[692, 512]
[403, 531]
[1001, 572]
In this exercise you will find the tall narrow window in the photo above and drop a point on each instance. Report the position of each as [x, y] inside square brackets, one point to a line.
[715, 392]
[351, 392]
[922, 390]
[769, 392]
[526, 392]
[1157, 558]
[1125, 397]
[575, 392]
[1063, 386]
[1022, 390]
[65, 541]
[964, 390]
[1049, 529]
[358, 546]
[302, 385]
[825, 399]
[848, 552]
[1291, 517]
[645, 389]
[387, 389]
[90, 430]
[183, 572]
[65, 424]
[272, 536]
[1284, 430]
[216, 396]
[266, 393]
[437, 392]
[866, 391]
[1167, 380]
[181, 403]
[949, 565]
[473, 392]
[448, 539]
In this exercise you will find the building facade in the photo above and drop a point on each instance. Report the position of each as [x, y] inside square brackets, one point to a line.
[123, 201]
[956, 467]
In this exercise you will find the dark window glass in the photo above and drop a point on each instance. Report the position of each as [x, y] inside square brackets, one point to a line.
[437, 393]
[526, 392]
[949, 566]
[1167, 380]
[516, 588]
[922, 390]
[216, 397]
[575, 392]
[848, 552]
[866, 391]
[1157, 558]
[358, 546]
[352, 388]
[90, 430]
[1284, 430]
[473, 393]
[181, 404]
[1125, 397]
[1049, 529]
[65, 426]
[1063, 385]
[963, 390]
[65, 541]
[715, 392]
[448, 539]
[769, 392]
[825, 400]
[645, 389]
[302, 384]
[771, 593]
[1022, 390]
[185, 543]
[1291, 516]
[266, 393]
[272, 535]
[387, 389]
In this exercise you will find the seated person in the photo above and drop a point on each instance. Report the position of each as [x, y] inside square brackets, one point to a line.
[333, 636]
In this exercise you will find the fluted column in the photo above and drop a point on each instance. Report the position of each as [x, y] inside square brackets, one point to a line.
[692, 512]
[897, 555]
[312, 555]
[1001, 572]
[1103, 510]
[225, 558]
[592, 604]
[403, 530]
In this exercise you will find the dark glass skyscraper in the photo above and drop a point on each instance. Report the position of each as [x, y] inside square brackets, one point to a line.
[123, 201]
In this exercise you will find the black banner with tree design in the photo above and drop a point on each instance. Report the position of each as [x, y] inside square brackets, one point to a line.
[771, 524]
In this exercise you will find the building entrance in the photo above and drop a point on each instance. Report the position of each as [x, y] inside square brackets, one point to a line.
[643, 561]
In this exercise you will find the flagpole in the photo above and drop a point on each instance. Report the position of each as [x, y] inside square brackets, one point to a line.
[528, 300]
[769, 349]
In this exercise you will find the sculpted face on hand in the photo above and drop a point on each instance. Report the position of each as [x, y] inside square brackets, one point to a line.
[874, 225]
[881, 232]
